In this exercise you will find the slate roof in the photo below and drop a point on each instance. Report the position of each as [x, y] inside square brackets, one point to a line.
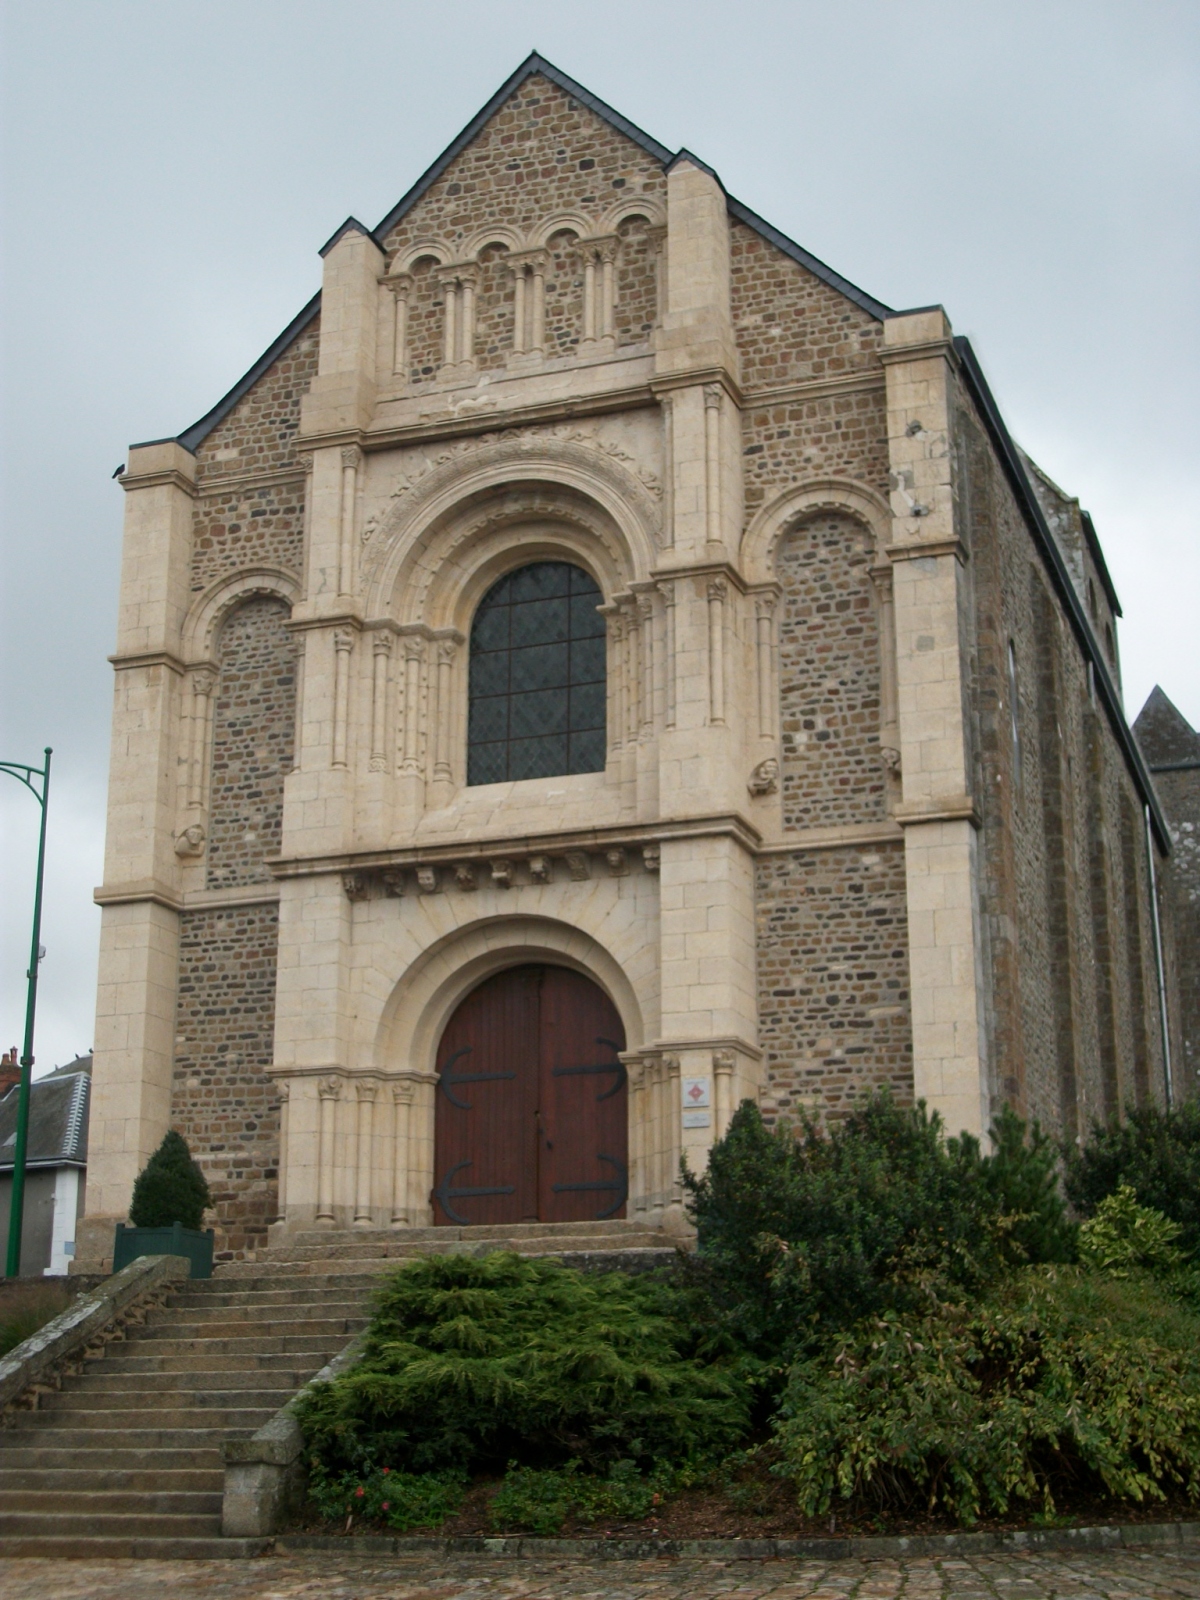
[58, 1119]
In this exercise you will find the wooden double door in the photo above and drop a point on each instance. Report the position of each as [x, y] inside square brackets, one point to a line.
[532, 1103]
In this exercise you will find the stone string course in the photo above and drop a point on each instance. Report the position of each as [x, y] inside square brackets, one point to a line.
[222, 1100]
[833, 977]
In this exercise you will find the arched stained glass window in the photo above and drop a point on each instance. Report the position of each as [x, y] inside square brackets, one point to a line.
[537, 677]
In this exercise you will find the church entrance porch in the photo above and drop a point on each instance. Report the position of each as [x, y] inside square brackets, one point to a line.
[531, 1121]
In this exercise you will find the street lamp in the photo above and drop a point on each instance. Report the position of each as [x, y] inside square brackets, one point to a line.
[28, 776]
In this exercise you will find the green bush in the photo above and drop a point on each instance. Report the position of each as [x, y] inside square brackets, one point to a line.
[170, 1188]
[404, 1500]
[1062, 1376]
[803, 1232]
[539, 1500]
[470, 1363]
[1156, 1153]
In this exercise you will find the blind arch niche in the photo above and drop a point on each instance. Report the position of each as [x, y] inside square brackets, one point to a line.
[536, 688]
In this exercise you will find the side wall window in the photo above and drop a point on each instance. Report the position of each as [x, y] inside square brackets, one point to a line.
[537, 677]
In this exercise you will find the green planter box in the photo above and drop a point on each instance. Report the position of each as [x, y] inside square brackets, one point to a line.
[176, 1240]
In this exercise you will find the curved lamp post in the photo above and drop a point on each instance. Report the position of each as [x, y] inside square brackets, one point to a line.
[29, 776]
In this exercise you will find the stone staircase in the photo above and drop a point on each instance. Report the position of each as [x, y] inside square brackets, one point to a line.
[125, 1459]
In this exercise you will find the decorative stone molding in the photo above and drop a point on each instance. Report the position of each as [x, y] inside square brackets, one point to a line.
[427, 880]
[464, 876]
[355, 885]
[392, 879]
[765, 778]
[502, 874]
[540, 869]
[191, 841]
[618, 865]
[651, 857]
[578, 865]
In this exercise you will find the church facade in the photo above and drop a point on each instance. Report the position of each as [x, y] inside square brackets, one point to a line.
[600, 665]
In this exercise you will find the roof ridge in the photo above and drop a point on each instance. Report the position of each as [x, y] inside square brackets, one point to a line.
[533, 65]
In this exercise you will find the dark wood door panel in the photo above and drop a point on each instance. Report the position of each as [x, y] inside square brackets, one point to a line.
[532, 1105]
[582, 1172]
[486, 1104]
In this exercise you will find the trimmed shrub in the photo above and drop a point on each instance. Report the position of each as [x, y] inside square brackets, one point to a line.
[803, 1233]
[1062, 1377]
[170, 1188]
[1156, 1153]
[471, 1363]
[539, 1500]
[404, 1500]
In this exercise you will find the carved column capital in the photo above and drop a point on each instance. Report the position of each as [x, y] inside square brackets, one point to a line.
[366, 1089]
[351, 456]
[399, 283]
[329, 1088]
[343, 640]
[204, 681]
[403, 1092]
[713, 395]
[381, 642]
[414, 649]
[718, 589]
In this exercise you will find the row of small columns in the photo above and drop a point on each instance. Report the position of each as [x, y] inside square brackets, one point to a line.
[459, 284]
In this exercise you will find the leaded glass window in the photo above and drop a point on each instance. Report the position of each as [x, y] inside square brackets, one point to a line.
[537, 677]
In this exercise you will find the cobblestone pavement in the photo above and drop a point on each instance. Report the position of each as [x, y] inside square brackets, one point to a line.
[1097, 1575]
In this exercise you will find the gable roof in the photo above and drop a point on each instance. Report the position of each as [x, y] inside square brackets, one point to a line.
[58, 1121]
[533, 65]
[1167, 738]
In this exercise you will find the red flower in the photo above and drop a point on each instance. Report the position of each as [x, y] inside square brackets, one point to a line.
[385, 1506]
[359, 1492]
[386, 1470]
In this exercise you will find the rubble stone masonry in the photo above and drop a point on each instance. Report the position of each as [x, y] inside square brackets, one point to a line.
[222, 1100]
[833, 978]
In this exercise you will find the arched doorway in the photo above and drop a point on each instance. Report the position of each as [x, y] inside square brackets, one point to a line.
[532, 1104]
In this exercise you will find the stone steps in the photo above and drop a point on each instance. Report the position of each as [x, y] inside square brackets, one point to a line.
[125, 1459]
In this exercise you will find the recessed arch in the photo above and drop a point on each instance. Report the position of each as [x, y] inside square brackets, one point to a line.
[493, 233]
[778, 516]
[457, 517]
[562, 222]
[209, 610]
[424, 999]
[634, 205]
[404, 260]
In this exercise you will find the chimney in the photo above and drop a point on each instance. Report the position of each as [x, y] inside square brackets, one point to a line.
[10, 1071]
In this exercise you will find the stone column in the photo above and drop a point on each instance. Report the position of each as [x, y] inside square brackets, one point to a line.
[364, 1166]
[950, 1068]
[139, 937]
[351, 459]
[381, 660]
[329, 1090]
[402, 1100]
[343, 644]
[400, 287]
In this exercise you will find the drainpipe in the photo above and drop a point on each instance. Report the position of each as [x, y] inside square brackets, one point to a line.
[1158, 960]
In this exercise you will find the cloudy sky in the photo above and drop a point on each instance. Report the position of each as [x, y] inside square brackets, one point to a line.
[170, 169]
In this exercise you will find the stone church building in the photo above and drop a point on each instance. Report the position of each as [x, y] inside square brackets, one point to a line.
[596, 666]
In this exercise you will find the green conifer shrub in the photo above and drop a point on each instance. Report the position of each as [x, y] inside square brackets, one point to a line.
[1157, 1153]
[472, 1363]
[803, 1232]
[170, 1188]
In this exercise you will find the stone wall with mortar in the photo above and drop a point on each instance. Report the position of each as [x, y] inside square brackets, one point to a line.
[254, 718]
[542, 154]
[222, 1100]
[833, 977]
[789, 440]
[1064, 890]
[790, 326]
[829, 670]
[256, 525]
[259, 434]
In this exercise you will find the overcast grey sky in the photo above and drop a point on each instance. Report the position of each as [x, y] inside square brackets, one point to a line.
[170, 170]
